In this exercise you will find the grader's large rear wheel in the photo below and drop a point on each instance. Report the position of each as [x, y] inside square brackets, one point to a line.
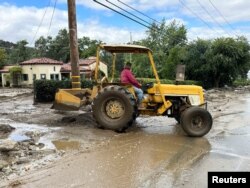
[196, 121]
[114, 108]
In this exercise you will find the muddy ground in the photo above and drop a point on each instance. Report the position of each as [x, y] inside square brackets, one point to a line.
[41, 147]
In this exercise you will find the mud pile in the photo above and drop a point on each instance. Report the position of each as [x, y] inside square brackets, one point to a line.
[16, 157]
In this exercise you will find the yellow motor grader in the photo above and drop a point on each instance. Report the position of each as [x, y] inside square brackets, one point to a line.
[114, 104]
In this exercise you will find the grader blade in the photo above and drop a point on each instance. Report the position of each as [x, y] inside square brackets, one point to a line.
[64, 100]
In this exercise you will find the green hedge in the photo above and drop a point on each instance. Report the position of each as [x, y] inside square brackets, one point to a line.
[165, 81]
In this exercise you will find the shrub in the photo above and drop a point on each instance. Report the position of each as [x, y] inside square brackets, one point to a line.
[87, 83]
[241, 82]
[44, 90]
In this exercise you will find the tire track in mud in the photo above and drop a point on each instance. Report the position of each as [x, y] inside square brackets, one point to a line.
[169, 171]
[226, 114]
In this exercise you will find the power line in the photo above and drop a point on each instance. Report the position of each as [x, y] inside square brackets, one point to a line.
[122, 14]
[183, 4]
[212, 17]
[152, 27]
[128, 12]
[138, 11]
[51, 19]
[218, 11]
[40, 24]
[52, 16]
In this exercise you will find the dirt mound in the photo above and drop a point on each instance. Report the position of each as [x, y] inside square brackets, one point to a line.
[80, 119]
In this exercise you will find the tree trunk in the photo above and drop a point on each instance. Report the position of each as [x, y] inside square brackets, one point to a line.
[217, 82]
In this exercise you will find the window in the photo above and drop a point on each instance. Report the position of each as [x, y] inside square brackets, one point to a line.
[43, 76]
[54, 76]
[25, 77]
[34, 76]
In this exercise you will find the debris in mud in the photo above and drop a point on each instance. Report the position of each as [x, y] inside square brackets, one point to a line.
[7, 145]
[10, 92]
[86, 118]
[68, 119]
[6, 128]
[35, 135]
[15, 183]
[15, 154]
[83, 119]
[3, 164]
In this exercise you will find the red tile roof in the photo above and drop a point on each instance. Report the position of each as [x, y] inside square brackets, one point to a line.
[87, 62]
[6, 69]
[41, 61]
[83, 64]
[67, 68]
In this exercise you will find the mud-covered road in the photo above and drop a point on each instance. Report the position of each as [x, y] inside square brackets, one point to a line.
[63, 149]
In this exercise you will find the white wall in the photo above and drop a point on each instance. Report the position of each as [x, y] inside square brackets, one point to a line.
[4, 79]
[38, 70]
[103, 67]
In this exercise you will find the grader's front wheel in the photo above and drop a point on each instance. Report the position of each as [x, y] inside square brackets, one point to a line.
[114, 108]
[196, 121]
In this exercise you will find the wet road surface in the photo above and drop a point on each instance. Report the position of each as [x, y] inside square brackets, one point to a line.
[155, 153]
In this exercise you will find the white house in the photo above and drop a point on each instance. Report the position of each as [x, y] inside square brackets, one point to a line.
[41, 69]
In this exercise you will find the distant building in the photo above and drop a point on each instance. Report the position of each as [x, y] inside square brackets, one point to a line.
[41, 69]
[45, 68]
[86, 66]
[248, 75]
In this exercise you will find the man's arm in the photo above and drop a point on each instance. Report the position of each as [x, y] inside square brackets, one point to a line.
[133, 80]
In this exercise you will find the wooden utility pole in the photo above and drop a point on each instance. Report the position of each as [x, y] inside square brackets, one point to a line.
[74, 54]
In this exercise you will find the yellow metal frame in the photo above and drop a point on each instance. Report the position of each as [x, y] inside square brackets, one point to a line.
[131, 49]
[113, 66]
[166, 104]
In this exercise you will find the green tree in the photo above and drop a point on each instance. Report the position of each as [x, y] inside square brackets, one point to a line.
[3, 57]
[243, 59]
[197, 66]
[42, 46]
[19, 53]
[87, 47]
[161, 40]
[141, 66]
[219, 62]
[177, 55]
[58, 48]
[227, 59]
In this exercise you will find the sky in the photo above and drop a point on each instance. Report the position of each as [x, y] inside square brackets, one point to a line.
[206, 19]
